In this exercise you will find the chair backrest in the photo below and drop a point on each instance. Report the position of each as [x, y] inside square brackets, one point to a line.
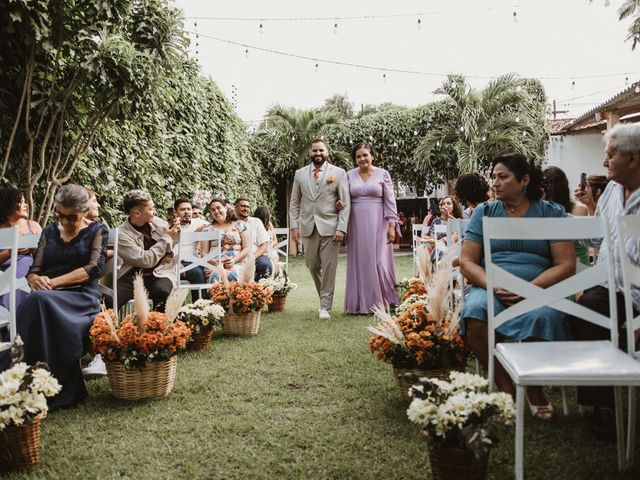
[556, 295]
[192, 261]
[628, 246]
[459, 226]
[416, 234]
[440, 247]
[9, 241]
[108, 287]
[282, 247]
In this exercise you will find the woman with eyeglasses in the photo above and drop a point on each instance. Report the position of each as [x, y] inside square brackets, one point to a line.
[54, 319]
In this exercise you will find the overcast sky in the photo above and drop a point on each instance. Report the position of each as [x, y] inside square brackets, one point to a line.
[572, 39]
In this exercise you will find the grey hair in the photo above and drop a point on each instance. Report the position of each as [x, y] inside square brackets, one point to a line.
[627, 135]
[135, 198]
[73, 196]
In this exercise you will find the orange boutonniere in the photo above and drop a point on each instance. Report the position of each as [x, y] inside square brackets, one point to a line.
[331, 179]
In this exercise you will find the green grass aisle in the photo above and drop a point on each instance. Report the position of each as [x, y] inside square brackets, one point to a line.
[303, 399]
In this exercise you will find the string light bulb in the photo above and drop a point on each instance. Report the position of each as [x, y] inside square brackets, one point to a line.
[517, 119]
[246, 53]
[515, 17]
[626, 81]
[384, 77]
[335, 27]
[316, 68]
[419, 24]
[573, 85]
[260, 29]
[462, 129]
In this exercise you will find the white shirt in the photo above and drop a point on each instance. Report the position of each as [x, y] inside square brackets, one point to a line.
[190, 247]
[258, 233]
[611, 205]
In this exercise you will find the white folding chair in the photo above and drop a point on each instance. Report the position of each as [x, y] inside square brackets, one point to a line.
[416, 234]
[9, 241]
[192, 261]
[110, 271]
[282, 247]
[459, 226]
[586, 363]
[629, 241]
[440, 246]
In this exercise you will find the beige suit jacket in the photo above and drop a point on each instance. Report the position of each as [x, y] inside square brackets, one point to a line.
[132, 255]
[311, 207]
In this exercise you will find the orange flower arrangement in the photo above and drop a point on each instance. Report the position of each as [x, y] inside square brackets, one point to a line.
[158, 339]
[412, 286]
[143, 336]
[419, 340]
[237, 297]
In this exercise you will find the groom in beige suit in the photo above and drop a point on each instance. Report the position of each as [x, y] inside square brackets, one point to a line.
[314, 216]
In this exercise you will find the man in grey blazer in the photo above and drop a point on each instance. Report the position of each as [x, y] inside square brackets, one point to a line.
[314, 217]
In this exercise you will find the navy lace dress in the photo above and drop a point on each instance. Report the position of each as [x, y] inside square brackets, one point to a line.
[54, 324]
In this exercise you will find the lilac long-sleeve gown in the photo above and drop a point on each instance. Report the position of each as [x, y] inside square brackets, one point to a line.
[371, 275]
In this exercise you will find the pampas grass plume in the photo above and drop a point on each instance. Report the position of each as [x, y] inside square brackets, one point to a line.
[141, 302]
[249, 271]
[175, 302]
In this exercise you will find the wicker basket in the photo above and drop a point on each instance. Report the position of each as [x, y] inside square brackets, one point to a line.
[154, 380]
[277, 302]
[403, 384]
[20, 446]
[202, 339]
[449, 463]
[241, 324]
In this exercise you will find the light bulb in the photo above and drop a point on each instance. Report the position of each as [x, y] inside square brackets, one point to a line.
[335, 28]
[246, 53]
[515, 17]
[415, 133]
[315, 69]
[438, 143]
[462, 129]
[261, 30]
[517, 119]
[384, 77]
[626, 81]
[573, 85]
[484, 138]
[637, 89]
[419, 24]
[395, 144]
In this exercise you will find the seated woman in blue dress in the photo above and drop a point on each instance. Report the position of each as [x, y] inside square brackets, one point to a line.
[54, 319]
[517, 187]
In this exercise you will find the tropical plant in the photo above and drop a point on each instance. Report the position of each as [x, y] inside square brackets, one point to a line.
[506, 116]
[340, 104]
[631, 9]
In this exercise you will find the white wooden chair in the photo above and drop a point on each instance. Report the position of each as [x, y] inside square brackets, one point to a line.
[440, 246]
[10, 239]
[629, 239]
[282, 247]
[416, 234]
[108, 287]
[586, 363]
[459, 226]
[193, 261]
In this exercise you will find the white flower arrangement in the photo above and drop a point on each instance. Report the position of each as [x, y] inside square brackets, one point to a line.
[202, 314]
[410, 300]
[460, 412]
[279, 284]
[23, 392]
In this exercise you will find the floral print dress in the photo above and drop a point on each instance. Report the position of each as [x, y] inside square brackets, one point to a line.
[231, 241]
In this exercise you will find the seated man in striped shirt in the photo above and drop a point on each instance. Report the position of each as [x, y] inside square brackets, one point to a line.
[621, 197]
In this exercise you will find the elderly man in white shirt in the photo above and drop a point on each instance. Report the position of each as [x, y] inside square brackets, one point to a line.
[259, 238]
[621, 197]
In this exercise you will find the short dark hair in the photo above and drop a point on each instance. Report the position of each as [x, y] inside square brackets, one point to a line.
[520, 166]
[241, 199]
[177, 203]
[472, 187]
[318, 140]
[10, 198]
[358, 145]
[135, 198]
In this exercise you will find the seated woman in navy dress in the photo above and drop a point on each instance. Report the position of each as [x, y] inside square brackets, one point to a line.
[517, 186]
[54, 319]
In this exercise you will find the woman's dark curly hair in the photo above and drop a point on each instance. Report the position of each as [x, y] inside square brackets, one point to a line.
[358, 145]
[10, 198]
[472, 187]
[520, 166]
[556, 188]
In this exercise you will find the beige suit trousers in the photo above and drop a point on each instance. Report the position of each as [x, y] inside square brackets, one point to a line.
[321, 254]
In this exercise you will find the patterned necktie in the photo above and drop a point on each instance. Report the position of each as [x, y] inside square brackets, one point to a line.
[315, 173]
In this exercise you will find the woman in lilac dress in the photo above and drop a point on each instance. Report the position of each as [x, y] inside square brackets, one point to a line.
[371, 276]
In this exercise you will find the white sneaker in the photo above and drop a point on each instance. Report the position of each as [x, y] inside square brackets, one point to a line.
[96, 368]
[324, 314]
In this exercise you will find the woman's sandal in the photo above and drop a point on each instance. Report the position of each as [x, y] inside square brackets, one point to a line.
[541, 412]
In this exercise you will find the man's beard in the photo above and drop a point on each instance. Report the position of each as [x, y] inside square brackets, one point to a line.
[318, 162]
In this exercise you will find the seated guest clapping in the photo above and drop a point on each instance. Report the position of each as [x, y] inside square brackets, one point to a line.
[235, 238]
[54, 319]
[517, 186]
[145, 246]
[184, 212]
[259, 238]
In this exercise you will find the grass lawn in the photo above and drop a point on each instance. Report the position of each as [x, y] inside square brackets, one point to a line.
[303, 399]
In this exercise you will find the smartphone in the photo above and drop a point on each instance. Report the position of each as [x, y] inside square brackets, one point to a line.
[583, 183]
